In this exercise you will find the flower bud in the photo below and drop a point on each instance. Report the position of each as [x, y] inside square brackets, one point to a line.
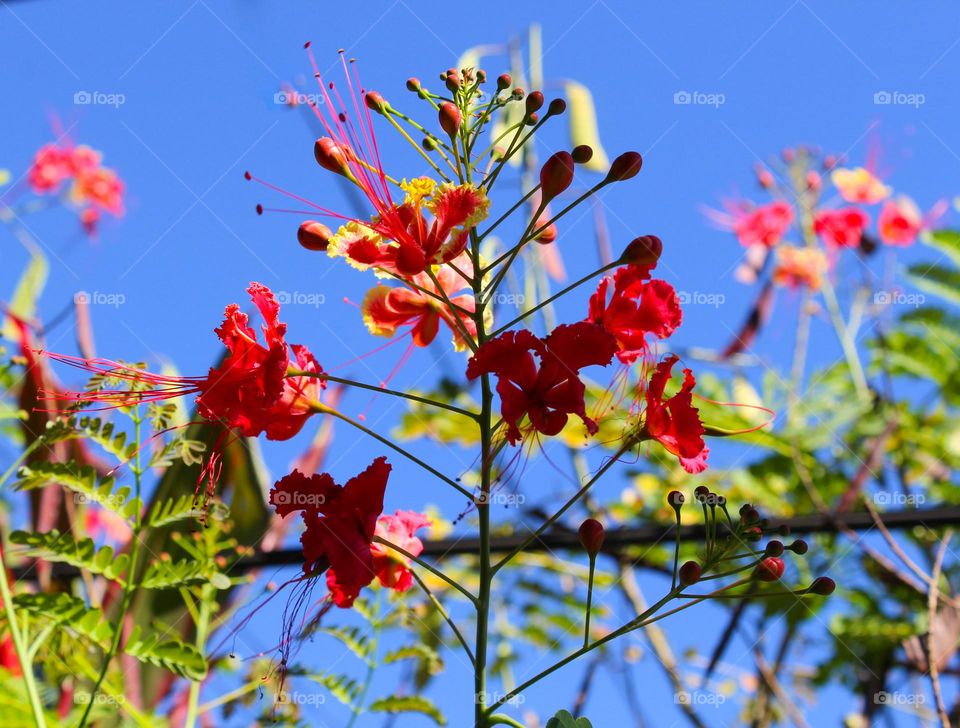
[450, 118]
[582, 153]
[313, 235]
[556, 175]
[823, 585]
[591, 536]
[643, 251]
[624, 167]
[799, 547]
[413, 84]
[675, 499]
[534, 102]
[481, 75]
[453, 82]
[689, 573]
[518, 93]
[774, 548]
[556, 107]
[753, 534]
[814, 182]
[769, 569]
[332, 156]
[700, 493]
[376, 102]
[532, 119]
[504, 81]
[750, 514]
[547, 235]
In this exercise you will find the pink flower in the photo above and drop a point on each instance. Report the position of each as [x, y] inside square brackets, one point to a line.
[391, 567]
[900, 221]
[764, 224]
[841, 228]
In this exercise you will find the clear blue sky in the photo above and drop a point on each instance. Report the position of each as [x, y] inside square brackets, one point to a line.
[199, 78]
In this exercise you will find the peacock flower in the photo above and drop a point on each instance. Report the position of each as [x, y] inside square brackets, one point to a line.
[799, 267]
[859, 186]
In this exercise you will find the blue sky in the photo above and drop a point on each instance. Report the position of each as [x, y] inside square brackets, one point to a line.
[198, 83]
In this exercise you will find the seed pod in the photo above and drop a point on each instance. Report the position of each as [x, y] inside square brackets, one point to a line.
[624, 167]
[769, 569]
[643, 251]
[689, 573]
[314, 235]
[592, 535]
[556, 175]
[450, 118]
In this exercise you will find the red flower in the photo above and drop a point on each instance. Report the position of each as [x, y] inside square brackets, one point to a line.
[900, 222]
[636, 308]
[842, 228]
[340, 524]
[386, 309]
[51, 168]
[675, 422]
[764, 225]
[391, 567]
[249, 390]
[547, 394]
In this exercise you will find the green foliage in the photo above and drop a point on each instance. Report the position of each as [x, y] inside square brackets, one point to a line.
[408, 704]
[84, 554]
[564, 719]
[83, 480]
[169, 653]
[70, 612]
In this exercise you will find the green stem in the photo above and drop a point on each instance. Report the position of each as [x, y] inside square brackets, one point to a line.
[586, 625]
[446, 616]
[846, 341]
[382, 390]
[207, 600]
[129, 585]
[26, 664]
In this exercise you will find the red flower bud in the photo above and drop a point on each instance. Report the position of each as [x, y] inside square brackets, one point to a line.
[643, 251]
[450, 118]
[689, 573]
[556, 107]
[331, 156]
[591, 536]
[376, 102]
[453, 82]
[799, 547]
[750, 514]
[774, 548]
[481, 75]
[675, 499]
[700, 493]
[534, 102]
[504, 81]
[556, 175]
[624, 167]
[518, 93]
[582, 154]
[313, 235]
[753, 534]
[549, 233]
[823, 585]
[769, 569]
[532, 119]
[413, 84]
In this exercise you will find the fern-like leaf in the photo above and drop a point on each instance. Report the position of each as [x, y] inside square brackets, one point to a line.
[84, 554]
[71, 612]
[171, 654]
[408, 704]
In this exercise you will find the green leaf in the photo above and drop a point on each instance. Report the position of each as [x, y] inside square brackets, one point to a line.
[91, 428]
[163, 574]
[171, 654]
[82, 480]
[583, 124]
[58, 547]
[343, 688]
[424, 654]
[936, 280]
[564, 719]
[947, 242]
[351, 638]
[172, 510]
[23, 304]
[408, 704]
[71, 612]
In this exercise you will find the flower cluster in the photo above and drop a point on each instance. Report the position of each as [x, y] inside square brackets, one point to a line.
[828, 207]
[92, 188]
